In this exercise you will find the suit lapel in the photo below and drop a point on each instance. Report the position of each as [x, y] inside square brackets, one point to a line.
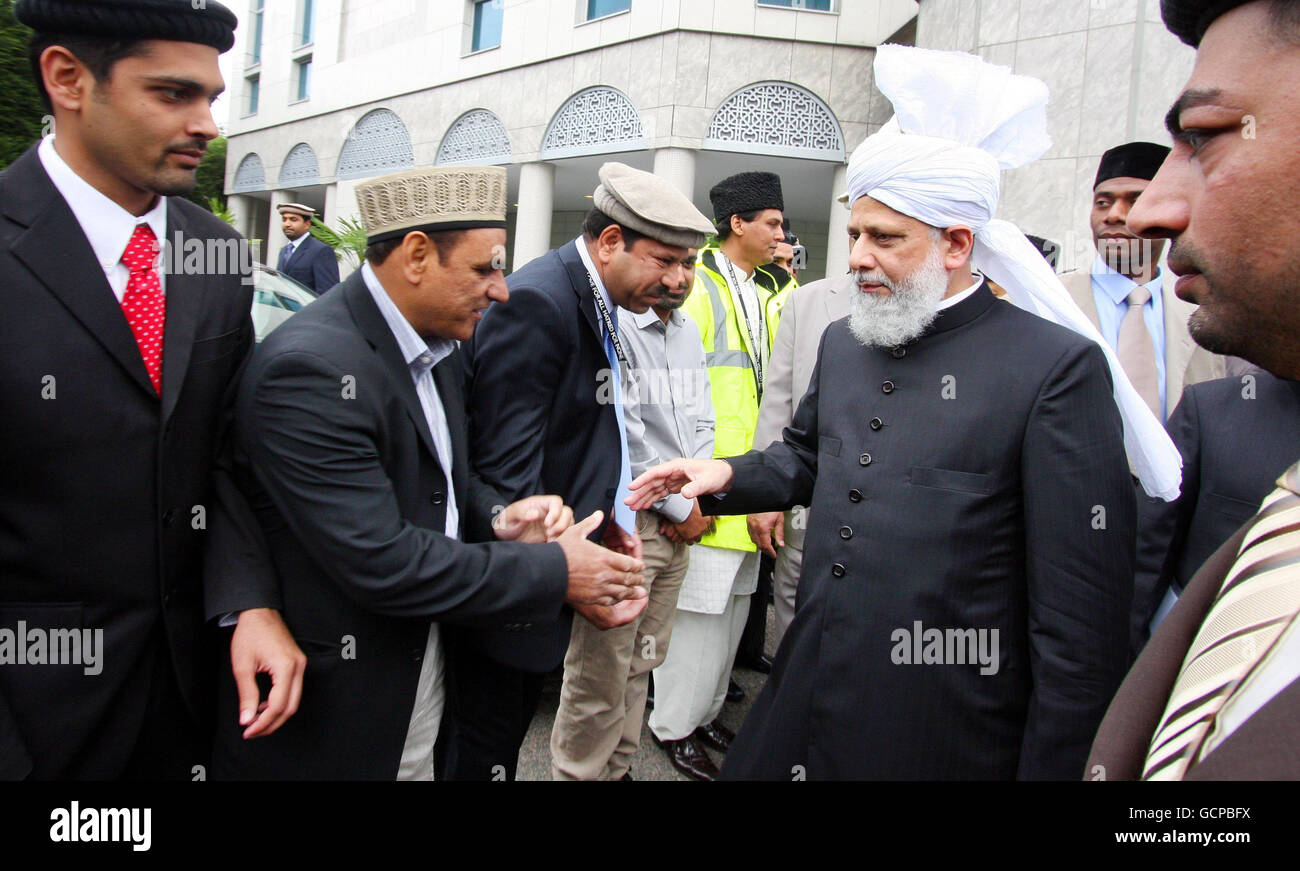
[373, 326]
[1080, 286]
[58, 253]
[448, 378]
[1261, 748]
[184, 303]
[581, 284]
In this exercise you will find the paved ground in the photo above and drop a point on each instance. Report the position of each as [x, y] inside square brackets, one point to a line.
[651, 762]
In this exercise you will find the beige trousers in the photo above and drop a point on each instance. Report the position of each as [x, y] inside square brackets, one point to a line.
[606, 673]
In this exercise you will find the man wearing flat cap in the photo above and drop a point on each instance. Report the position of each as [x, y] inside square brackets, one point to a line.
[1126, 294]
[118, 382]
[1215, 694]
[547, 374]
[737, 318]
[353, 450]
[305, 259]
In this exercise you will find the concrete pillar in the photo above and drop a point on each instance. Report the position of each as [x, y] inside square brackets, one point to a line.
[677, 165]
[274, 235]
[533, 221]
[242, 209]
[837, 226]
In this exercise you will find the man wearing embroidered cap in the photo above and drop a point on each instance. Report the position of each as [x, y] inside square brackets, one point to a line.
[112, 489]
[963, 603]
[353, 441]
[547, 372]
[306, 259]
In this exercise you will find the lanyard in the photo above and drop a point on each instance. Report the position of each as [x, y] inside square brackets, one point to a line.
[609, 323]
[753, 342]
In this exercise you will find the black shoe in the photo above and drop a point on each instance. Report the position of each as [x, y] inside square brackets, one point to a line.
[734, 692]
[626, 776]
[716, 736]
[762, 665]
[650, 693]
[688, 757]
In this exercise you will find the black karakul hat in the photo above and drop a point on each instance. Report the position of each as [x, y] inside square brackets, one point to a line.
[207, 23]
[746, 192]
[1131, 160]
[1189, 19]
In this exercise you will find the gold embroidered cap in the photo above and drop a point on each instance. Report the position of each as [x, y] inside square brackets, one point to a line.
[431, 200]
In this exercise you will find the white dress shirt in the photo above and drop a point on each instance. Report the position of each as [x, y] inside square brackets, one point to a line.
[107, 226]
[421, 357]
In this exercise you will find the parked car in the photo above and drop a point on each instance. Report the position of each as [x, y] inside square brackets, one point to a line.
[275, 298]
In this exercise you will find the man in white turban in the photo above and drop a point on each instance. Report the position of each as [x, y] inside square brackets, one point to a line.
[963, 608]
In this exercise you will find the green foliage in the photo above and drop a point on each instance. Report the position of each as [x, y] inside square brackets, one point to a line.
[210, 177]
[348, 241]
[22, 115]
[218, 208]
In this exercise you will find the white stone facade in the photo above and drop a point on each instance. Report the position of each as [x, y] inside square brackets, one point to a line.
[393, 85]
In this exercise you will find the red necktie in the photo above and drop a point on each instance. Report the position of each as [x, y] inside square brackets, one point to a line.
[144, 303]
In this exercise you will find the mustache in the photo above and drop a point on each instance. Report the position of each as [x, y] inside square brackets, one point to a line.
[199, 145]
[867, 276]
[1183, 258]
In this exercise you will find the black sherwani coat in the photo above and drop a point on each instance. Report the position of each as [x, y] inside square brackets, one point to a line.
[974, 479]
[340, 466]
[106, 488]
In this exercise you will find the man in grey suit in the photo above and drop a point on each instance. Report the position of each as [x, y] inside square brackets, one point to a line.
[1215, 694]
[811, 309]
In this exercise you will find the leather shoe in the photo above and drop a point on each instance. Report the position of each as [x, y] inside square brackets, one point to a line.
[688, 757]
[734, 692]
[762, 665]
[650, 694]
[716, 736]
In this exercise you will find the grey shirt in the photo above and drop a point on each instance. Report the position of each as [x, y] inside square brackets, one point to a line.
[667, 408]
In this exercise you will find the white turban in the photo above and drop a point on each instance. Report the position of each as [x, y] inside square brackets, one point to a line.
[958, 122]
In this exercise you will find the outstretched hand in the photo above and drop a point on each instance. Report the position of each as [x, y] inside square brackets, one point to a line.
[691, 478]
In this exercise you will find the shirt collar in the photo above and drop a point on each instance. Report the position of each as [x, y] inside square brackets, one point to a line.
[951, 301]
[420, 355]
[650, 316]
[107, 226]
[745, 278]
[1117, 286]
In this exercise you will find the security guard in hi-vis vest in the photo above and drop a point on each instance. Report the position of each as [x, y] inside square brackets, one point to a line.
[737, 320]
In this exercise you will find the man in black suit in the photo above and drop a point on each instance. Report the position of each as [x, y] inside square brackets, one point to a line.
[306, 259]
[118, 378]
[546, 416]
[351, 423]
[1223, 482]
[963, 601]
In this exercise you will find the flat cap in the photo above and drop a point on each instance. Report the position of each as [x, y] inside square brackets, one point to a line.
[746, 192]
[650, 205]
[431, 200]
[1131, 160]
[296, 209]
[1189, 19]
[206, 22]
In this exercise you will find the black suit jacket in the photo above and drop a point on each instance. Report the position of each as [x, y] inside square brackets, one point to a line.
[1265, 747]
[973, 480]
[1236, 435]
[314, 265]
[105, 488]
[538, 374]
[342, 471]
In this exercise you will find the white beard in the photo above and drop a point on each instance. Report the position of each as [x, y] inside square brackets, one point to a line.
[912, 305]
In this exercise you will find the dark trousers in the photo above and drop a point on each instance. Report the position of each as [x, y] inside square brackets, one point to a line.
[754, 639]
[172, 745]
[491, 707]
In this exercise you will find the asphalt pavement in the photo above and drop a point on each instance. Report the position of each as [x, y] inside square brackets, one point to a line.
[651, 762]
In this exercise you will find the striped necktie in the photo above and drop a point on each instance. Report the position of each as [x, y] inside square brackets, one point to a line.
[1259, 599]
